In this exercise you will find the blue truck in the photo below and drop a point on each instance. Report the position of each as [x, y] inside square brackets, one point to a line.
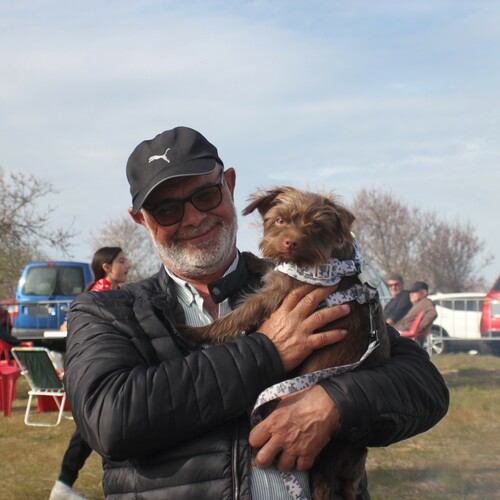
[43, 297]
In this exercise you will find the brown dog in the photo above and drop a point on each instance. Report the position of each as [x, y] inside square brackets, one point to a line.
[308, 229]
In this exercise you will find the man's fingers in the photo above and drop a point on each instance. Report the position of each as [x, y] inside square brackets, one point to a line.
[259, 436]
[304, 463]
[314, 297]
[266, 455]
[327, 315]
[297, 430]
[295, 321]
[322, 339]
[286, 461]
[307, 298]
[321, 318]
[295, 296]
[269, 448]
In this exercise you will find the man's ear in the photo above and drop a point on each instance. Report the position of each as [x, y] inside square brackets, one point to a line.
[138, 218]
[230, 179]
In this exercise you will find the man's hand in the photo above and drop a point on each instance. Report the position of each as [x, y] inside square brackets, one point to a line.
[291, 327]
[296, 430]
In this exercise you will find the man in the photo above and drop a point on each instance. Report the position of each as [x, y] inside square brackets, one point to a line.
[400, 303]
[170, 418]
[418, 297]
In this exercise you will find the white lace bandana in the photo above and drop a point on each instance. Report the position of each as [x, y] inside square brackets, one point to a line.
[327, 274]
[360, 293]
[332, 272]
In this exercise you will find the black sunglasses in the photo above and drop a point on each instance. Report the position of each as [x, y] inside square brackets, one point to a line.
[170, 212]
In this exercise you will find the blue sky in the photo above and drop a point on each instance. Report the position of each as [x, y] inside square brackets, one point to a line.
[336, 95]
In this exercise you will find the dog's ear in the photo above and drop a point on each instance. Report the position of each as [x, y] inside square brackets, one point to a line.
[346, 216]
[262, 201]
[345, 219]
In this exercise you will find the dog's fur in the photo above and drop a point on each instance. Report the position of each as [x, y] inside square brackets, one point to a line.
[307, 229]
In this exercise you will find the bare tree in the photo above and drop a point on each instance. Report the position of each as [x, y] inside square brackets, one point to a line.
[450, 254]
[135, 242]
[385, 231]
[24, 228]
[416, 243]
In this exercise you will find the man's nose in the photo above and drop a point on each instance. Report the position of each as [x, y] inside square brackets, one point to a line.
[192, 216]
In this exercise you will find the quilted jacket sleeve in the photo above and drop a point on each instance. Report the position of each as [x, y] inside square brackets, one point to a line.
[384, 405]
[126, 403]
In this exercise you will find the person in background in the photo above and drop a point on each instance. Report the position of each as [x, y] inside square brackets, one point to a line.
[110, 267]
[400, 303]
[170, 417]
[420, 302]
[5, 327]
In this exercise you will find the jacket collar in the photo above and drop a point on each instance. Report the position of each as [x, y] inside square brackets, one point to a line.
[231, 286]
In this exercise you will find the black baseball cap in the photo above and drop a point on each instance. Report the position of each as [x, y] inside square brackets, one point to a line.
[419, 285]
[179, 152]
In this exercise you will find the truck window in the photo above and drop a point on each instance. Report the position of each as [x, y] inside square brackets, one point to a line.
[54, 281]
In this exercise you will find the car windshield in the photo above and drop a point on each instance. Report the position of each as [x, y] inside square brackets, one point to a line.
[54, 281]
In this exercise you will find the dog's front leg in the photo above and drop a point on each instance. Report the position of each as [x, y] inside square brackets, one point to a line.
[248, 316]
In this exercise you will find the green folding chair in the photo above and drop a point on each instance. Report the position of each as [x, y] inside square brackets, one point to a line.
[43, 379]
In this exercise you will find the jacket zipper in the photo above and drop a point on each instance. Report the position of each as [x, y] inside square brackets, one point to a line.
[236, 481]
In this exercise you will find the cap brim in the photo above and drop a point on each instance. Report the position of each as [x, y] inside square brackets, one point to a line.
[187, 169]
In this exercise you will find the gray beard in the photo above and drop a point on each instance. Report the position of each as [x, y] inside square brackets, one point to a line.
[207, 257]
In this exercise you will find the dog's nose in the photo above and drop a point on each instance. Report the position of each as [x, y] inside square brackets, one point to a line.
[290, 243]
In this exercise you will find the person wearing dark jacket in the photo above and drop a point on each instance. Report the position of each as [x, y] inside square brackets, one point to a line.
[400, 302]
[6, 328]
[170, 418]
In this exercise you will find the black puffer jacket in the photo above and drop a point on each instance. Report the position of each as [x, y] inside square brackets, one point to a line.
[171, 420]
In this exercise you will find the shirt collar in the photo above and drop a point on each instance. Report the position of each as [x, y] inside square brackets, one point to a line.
[219, 290]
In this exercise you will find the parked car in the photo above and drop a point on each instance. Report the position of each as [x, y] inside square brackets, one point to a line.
[457, 323]
[490, 318]
[44, 294]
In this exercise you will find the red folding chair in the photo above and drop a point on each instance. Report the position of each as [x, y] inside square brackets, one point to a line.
[414, 334]
[8, 386]
[5, 352]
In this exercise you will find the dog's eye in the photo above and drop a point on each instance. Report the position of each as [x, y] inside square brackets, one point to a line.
[317, 225]
[280, 221]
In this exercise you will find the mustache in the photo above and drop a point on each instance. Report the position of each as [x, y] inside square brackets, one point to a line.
[194, 232]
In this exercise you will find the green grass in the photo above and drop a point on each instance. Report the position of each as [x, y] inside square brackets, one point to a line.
[456, 459]
[30, 457]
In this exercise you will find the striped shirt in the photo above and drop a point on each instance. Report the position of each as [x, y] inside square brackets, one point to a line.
[266, 484]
